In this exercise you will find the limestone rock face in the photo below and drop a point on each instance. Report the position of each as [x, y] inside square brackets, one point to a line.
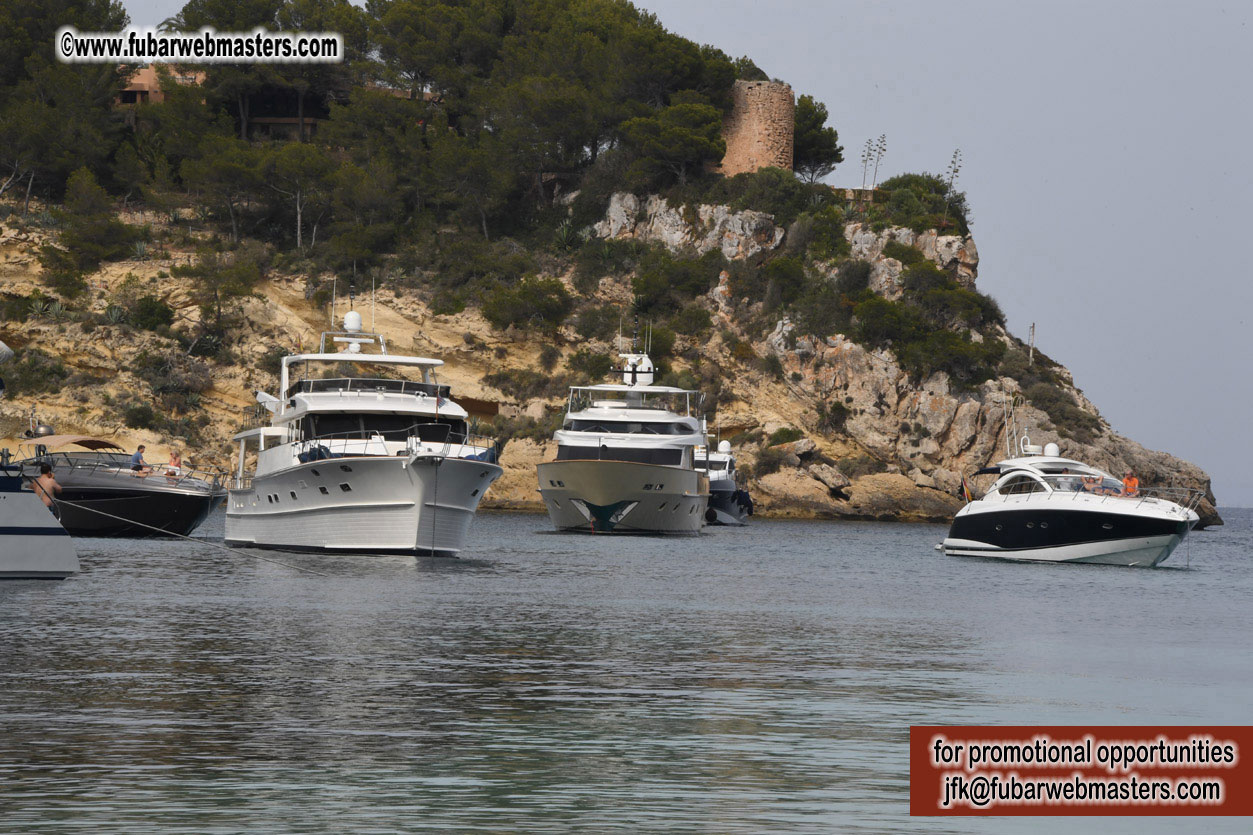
[735, 234]
[948, 252]
[934, 434]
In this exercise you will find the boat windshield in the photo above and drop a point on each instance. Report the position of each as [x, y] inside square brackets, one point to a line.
[675, 401]
[627, 427]
[1085, 483]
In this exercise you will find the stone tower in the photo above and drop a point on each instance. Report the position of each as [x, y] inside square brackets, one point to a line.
[758, 130]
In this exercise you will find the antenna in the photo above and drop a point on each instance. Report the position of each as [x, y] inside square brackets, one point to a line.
[1031, 347]
[635, 335]
[373, 275]
[334, 290]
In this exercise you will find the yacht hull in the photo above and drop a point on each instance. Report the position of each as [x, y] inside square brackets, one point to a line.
[623, 497]
[33, 545]
[725, 508]
[133, 513]
[422, 506]
[1080, 536]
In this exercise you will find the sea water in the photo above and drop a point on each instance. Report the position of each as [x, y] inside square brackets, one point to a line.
[748, 680]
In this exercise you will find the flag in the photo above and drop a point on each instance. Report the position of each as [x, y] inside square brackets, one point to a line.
[966, 494]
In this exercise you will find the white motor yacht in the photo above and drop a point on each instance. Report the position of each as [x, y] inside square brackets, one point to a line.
[33, 544]
[355, 463]
[1043, 507]
[626, 458]
[728, 503]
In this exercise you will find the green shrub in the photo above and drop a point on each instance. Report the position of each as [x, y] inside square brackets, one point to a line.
[771, 190]
[548, 356]
[533, 302]
[1064, 413]
[661, 342]
[852, 277]
[663, 282]
[922, 201]
[906, 254]
[525, 385]
[600, 322]
[832, 416]
[769, 460]
[599, 258]
[785, 281]
[692, 321]
[827, 239]
[785, 435]
[151, 314]
[140, 416]
[590, 365]
[35, 372]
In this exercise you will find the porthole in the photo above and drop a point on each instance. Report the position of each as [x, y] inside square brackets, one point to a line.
[1000, 527]
[661, 506]
[315, 472]
[474, 493]
[324, 491]
[1107, 526]
[1044, 524]
[345, 468]
[293, 494]
[347, 488]
[1031, 524]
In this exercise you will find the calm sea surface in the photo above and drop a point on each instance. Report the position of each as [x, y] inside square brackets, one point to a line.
[746, 681]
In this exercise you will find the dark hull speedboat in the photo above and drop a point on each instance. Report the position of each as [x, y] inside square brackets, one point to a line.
[102, 496]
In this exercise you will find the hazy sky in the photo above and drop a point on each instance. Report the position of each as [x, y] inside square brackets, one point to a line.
[1106, 164]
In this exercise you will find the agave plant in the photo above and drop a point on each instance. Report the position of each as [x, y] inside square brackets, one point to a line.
[55, 310]
[140, 250]
[565, 236]
[38, 309]
[115, 313]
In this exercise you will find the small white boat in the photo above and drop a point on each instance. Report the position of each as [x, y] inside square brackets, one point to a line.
[33, 545]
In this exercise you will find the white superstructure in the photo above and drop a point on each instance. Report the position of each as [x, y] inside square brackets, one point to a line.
[626, 458]
[359, 463]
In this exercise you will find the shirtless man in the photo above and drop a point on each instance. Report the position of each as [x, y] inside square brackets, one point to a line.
[46, 486]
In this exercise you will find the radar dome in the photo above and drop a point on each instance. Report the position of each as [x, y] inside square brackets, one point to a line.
[352, 322]
[1052, 449]
[724, 446]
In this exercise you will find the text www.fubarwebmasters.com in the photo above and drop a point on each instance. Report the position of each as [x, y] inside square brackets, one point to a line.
[206, 46]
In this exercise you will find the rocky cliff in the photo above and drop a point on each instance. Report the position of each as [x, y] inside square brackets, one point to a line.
[896, 450]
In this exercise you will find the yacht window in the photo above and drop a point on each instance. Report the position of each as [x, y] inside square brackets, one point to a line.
[670, 457]
[1021, 485]
[330, 425]
[702, 464]
[622, 427]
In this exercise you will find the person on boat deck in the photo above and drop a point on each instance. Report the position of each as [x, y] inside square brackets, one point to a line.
[1068, 482]
[1130, 484]
[46, 486]
[138, 464]
[176, 463]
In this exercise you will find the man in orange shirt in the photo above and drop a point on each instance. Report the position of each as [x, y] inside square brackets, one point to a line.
[1130, 484]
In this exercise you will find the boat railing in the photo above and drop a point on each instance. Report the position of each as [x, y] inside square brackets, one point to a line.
[254, 417]
[436, 439]
[1107, 489]
[188, 478]
[369, 385]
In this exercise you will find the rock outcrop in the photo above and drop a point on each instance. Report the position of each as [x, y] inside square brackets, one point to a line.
[735, 234]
